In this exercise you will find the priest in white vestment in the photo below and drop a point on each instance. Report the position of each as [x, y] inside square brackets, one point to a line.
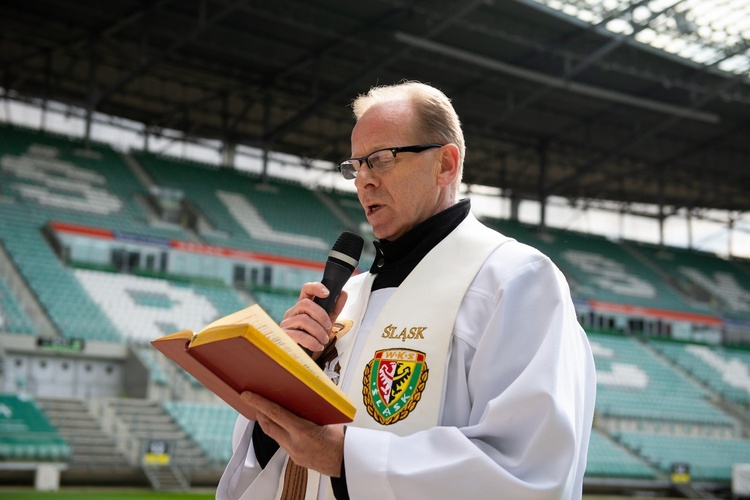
[460, 347]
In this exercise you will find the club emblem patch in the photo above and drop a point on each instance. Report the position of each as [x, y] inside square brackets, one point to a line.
[392, 384]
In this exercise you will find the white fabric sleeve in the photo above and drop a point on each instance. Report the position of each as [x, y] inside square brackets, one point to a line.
[518, 404]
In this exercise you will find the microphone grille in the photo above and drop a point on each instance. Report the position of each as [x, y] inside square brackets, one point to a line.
[349, 244]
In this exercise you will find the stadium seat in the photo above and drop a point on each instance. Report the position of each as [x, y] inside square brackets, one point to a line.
[599, 269]
[250, 213]
[214, 439]
[143, 308]
[608, 459]
[12, 317]
[634, 382]
[26, 434]
[725, 370]
[726, 284]
[709, 459]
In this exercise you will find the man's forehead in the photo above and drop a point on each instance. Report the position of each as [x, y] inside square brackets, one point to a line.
[386, 106]
[383, 126]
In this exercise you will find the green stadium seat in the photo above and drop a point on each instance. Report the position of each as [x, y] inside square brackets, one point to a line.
[725, 370]
[710, 459]
[248, 212]
[215, 439]
[599, 269]
[634, 382]
[724, 284]
[26, 434]
[608, 459]
[12, 317]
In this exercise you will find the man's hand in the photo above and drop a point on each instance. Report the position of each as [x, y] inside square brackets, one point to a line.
[316, 447]
[307, 323]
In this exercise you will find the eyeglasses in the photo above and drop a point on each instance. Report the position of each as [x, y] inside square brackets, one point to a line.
[380, 160]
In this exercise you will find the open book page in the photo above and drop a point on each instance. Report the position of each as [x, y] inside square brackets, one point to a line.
[242, 316]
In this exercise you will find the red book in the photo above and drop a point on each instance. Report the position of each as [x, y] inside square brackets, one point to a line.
[248, 351]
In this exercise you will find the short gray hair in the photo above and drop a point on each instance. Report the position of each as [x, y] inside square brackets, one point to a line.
[436, 118]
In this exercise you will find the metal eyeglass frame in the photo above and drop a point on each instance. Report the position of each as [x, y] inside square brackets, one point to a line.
[349, 171]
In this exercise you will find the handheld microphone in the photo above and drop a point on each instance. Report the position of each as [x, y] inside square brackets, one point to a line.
[342, 261]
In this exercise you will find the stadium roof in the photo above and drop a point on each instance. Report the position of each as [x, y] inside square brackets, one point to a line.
[709, 32]
[569, 102]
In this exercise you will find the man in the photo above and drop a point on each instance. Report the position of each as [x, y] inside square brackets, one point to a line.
[460, 347]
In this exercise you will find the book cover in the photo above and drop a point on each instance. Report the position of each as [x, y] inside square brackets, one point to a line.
[248, 351]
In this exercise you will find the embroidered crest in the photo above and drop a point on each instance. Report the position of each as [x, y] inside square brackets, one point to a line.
[392, 384]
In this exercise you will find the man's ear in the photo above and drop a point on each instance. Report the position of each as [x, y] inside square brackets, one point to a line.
[447, 168]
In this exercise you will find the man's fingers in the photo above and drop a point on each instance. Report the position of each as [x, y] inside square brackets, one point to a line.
[273, 411]
[272, 417]
[306, 322]
[306, 331]
[339, 306]
[313, 289]
[309, 445]
[270, 427]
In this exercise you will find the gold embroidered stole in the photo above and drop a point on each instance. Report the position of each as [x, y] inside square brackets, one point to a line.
[399, 378]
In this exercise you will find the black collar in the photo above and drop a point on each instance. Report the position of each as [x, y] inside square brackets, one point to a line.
[394, 260]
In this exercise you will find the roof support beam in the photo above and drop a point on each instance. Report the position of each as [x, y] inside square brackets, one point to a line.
[448, 18]
[653, 131]
[590, 59]
[142, 68]
[556, 82]
[81, 41]
[695, 148]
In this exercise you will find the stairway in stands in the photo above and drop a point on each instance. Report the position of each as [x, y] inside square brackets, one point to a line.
[91, 447]
[145, 421]
[167, 478]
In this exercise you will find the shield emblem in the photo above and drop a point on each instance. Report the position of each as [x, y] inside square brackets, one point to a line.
[392, 384]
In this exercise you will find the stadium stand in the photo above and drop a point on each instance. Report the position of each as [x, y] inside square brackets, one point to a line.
[725, 371]
[26, 434]
[249, 212]
[41, 179]
[44, 178]
[28, 441]
[350, 203]
[275, 303]
[709, 458]
[724, 284]
[209, 425]
[167, 381]
[61, 178]
[90, 446]
[12, 317]
[144, 308]
[64, 300]
[157, 375]
[346, 207]
[609, 459]
[633, 382]
[658, 402]
[599, 269]
[136, 424]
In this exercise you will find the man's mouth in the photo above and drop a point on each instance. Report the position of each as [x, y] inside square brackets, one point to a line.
[373, 208]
